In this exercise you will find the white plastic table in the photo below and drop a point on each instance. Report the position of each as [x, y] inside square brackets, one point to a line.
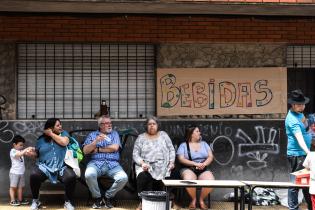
[207, 183]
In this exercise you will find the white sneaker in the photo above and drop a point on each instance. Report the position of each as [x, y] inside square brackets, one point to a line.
[35, 204]
[68, 206]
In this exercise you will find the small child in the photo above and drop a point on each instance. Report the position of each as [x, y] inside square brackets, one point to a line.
[309, 162]
[17, 180]
[311, 124]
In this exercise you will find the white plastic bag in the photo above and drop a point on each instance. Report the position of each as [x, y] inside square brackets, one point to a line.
[283, 196]
[72, 162]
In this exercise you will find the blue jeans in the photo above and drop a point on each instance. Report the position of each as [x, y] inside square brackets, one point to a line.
[92, 172]
[296, 163]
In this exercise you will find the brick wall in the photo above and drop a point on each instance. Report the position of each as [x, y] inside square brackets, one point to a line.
[157, 29]
[254, 1]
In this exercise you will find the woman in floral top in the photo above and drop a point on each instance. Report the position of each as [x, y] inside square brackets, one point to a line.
[154, 155]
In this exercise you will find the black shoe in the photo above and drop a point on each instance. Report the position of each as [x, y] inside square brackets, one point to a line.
[24, 202]
[98, 203]
[108, 203]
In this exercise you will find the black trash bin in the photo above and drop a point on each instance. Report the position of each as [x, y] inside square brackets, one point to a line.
[153, 200]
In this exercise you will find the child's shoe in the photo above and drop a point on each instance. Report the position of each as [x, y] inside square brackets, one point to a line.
[24, 202]
[15, 203]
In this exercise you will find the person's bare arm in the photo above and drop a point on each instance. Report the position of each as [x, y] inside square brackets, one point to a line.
[300, 139]
[187, 162]
[109, 148]
[61, 140]
[20, 153]
[31, 152]
[208, 161]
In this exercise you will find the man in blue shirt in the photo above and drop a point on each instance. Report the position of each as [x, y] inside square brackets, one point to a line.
[103, 146]
[299, 143]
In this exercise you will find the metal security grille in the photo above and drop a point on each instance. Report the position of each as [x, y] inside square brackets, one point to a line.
[301, 56]
[301, 71]
[69, 81]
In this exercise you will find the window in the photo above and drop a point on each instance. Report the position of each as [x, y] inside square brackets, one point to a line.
[301, 71]
[69, 81]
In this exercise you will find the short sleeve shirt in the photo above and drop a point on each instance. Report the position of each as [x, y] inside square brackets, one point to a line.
[293, 125]
[51, 156]
[197, 156]
[17, 163]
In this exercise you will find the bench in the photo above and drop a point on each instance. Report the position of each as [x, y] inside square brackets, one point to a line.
[104, 182]
[51, 189]
[207, 183]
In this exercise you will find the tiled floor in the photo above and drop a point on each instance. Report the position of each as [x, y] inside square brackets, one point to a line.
[127, 205]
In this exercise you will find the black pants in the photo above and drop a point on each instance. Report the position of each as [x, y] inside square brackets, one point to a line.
[296, 163]
[145, 182]
[68, 179]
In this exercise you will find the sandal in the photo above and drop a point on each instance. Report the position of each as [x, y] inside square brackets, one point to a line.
[203, 206]
[192, 206]
[139, 206]
[176, 206]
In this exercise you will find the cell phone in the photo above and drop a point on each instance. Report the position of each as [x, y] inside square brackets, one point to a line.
[188, 182]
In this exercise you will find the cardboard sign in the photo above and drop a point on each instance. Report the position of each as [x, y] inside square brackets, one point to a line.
[212, 91]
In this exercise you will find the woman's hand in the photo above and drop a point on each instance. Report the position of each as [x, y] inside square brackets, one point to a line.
[171, 166]
[200, 166]
[30, 152]
[48, 132]
[145, 166]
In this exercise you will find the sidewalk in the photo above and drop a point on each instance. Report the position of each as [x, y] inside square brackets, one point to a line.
[129, 205]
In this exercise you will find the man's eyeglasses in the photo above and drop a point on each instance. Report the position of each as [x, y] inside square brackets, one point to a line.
[106, 123]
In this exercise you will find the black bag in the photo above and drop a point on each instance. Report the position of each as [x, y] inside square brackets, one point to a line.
[198, 171]
[193, 168]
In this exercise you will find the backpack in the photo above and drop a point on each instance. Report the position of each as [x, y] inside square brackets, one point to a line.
[75, 147]
[265, 197]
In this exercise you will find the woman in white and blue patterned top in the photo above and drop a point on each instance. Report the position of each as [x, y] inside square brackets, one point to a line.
[154, 155]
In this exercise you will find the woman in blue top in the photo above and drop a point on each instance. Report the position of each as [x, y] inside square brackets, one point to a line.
[50, 152]
[195, 155]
